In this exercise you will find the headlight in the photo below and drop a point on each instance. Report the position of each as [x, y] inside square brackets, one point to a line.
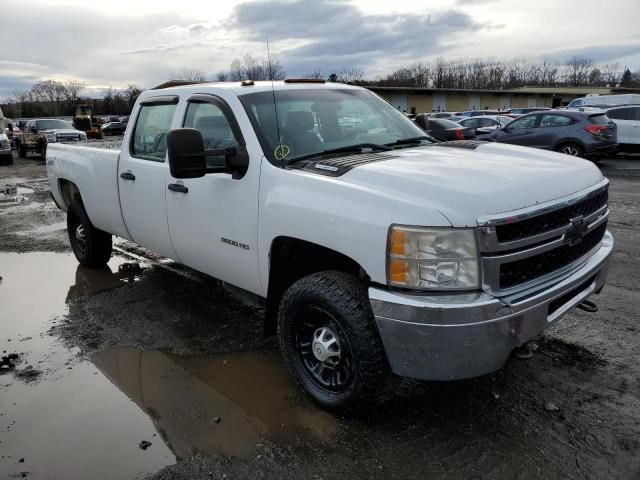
[83, 136]
[50, 137]
[433, 258]
[5, 145]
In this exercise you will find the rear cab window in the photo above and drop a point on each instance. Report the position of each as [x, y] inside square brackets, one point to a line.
[149, 139]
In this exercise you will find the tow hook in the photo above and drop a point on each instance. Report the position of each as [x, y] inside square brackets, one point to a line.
[588, 306]
[525, 351]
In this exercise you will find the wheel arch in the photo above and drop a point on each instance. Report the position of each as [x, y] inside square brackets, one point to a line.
[69, 192]
[291, 259]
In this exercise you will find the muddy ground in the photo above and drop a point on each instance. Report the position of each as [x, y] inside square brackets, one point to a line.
[94, 363]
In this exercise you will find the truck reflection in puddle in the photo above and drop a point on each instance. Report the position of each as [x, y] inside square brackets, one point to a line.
[215, 404]
[90, 281]
[221, 404]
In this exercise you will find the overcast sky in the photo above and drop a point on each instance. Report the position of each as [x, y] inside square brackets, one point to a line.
[117, 42]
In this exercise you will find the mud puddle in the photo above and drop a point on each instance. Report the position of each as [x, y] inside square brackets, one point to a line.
[68, 414]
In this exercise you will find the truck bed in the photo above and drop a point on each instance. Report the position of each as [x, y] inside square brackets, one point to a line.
[94, 171]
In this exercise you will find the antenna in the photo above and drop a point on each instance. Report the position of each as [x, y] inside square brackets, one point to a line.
[279, 151]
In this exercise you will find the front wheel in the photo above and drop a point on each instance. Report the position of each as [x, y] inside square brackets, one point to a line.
[91, 246]
[571, 148]
[331, 344]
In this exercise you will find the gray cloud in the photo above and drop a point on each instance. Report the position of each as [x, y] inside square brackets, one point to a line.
[331, 34]
[598, 53]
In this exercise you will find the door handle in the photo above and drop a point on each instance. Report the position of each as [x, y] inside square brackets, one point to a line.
[178, 187]
[127, 176]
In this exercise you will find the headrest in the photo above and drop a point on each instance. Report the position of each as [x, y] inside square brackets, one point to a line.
[299, 121]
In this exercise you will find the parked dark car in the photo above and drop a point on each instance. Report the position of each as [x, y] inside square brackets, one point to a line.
[582, 134]
[523, 111]
[477, 113]
[113, 128]
[443, 129]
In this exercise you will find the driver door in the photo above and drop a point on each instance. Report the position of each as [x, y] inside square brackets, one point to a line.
[214, 219]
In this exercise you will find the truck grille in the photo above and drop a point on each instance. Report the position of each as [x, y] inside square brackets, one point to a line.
[527, 247]
[550, 221]
[528, 269]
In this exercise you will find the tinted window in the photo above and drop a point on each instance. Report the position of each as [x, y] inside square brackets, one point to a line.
[441, 124]
[555, 121]
[599, 119]
[486, 122]
[470, 123]
[523, 122]
[624, 114]
[150, 133]
[216, 131]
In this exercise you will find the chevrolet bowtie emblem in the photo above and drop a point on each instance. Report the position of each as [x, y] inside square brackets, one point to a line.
[576, 231]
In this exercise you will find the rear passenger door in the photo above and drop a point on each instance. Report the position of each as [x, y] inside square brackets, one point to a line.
[142, 172]
[551, 130]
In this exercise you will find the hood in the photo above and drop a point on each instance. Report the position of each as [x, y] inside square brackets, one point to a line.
[464, 184]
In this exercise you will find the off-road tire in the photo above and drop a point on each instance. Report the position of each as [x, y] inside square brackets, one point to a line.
[570, 148]
[95, 250]
[22, 151]
[345, 299]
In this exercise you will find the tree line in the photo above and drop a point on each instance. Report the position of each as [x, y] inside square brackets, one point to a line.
[57, 98]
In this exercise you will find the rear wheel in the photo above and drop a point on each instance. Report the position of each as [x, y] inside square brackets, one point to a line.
[570, 148]
[22, 152]
[42, 149]
[91, 246]
[331, 344]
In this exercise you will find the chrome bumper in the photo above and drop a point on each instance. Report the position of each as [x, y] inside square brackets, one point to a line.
[456, 336]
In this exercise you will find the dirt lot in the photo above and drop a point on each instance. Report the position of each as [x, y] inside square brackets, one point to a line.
[95, 363]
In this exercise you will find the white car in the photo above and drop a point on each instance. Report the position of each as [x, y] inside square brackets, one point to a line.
[376, 253]
[627, 119]
[486, 123]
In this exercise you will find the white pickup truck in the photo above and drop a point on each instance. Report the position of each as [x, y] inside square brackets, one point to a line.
[377, 252]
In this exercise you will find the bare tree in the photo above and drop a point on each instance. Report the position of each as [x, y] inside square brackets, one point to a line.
[189, 75]
[578, 69]
[72, 90]
[316, 73]
[351, 75]
[251, 68]
[610, 74]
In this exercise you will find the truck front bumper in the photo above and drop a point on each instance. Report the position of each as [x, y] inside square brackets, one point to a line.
[456, 336]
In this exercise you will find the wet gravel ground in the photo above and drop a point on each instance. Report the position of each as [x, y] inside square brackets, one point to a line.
[148, 351]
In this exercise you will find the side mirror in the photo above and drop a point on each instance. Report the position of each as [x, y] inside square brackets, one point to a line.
[185, 150]
[187, 156]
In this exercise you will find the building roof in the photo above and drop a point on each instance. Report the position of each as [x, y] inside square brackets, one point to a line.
[521, 90]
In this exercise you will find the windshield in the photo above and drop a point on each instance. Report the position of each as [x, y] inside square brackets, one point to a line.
[50, 124]
[312, 121]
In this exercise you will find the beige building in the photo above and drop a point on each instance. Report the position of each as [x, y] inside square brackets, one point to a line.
[416, 100]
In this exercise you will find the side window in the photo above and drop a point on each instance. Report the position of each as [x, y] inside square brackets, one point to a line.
[619, 114]
[471, 123]
[555, 121]
[486, 122]
[150, 132]
[216, 132]
[524, 122]
[635, 115]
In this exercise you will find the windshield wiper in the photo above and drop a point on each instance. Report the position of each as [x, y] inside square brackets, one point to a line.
[349, 148]
[405, 141]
